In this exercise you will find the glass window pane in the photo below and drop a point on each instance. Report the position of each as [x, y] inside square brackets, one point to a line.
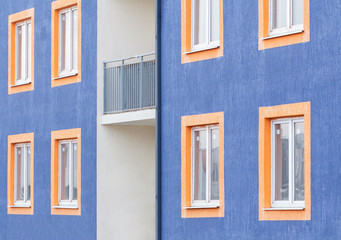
[64, 41]
[282, 161]
[297, 12]
[75, 146]
[29, 34]
[279, 13]
[74, 39]
[199, 163]
[18, 55]
[64, 174]
[19, 174]
[200, 22]
[28, 173]
[214, 20]
[299, 161]
[215, 165]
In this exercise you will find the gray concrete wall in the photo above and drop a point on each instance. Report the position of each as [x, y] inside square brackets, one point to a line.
[125, 154]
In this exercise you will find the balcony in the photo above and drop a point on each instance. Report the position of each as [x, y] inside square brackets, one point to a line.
[129, 89]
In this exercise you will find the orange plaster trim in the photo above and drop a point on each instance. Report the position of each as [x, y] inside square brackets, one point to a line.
[56, 136]
[263, 13]
[12, 140]
[57, 6]
[266, 114]
[186, 36]
[12, 21]
[187, 122]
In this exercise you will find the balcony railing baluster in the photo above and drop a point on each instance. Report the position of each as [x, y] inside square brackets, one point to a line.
[129, 84]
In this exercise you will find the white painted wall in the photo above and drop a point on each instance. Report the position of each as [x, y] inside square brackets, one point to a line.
[125, 154]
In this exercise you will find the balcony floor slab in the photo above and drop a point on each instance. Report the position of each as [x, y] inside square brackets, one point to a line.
[144, 117]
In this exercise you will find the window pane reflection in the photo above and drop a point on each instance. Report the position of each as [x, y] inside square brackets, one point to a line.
[299, 161]
[215, 165]
[282, 161]
[279, 13]
[64, 165]
[200, 22]
[200, 165]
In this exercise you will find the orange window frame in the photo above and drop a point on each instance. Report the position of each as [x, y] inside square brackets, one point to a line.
[186, 25]
[263, 28]
[56, 136]
[187, 123]
[58, 6]
[12, 141]
[266, 114]
[12, 21]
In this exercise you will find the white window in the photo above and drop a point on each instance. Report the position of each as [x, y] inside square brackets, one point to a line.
[23, 52]
[68, 42]
[205, 166]
[67, 179]
[287, 163]
[286, 16]
[205, 24]
[22, 175]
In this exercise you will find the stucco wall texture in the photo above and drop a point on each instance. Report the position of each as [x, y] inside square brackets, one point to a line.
[238, 83]
[41, 111]
[125, 154]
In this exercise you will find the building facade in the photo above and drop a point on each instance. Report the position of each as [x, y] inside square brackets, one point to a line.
[48, 120]
[74, 165]
[244, 123]
[249, 119]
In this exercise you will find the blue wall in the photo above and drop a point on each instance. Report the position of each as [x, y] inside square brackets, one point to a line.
[238, 83]
[44, 110]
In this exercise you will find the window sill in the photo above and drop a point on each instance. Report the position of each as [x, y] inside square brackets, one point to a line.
[202, 207]
[283, 34]
[66, 75]
[203, 49]
[20, 84]
[19, 206]
[284, 209]
[65, 207]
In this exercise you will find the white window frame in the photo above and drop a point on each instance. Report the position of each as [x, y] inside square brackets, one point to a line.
[25, 55]
[208, 202]
[70, 202]
[290, 203]
[25, 202]
[208, 44]
[290, 28]
[70, 70]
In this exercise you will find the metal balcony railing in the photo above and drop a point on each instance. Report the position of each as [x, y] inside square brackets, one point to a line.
[129, 83]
